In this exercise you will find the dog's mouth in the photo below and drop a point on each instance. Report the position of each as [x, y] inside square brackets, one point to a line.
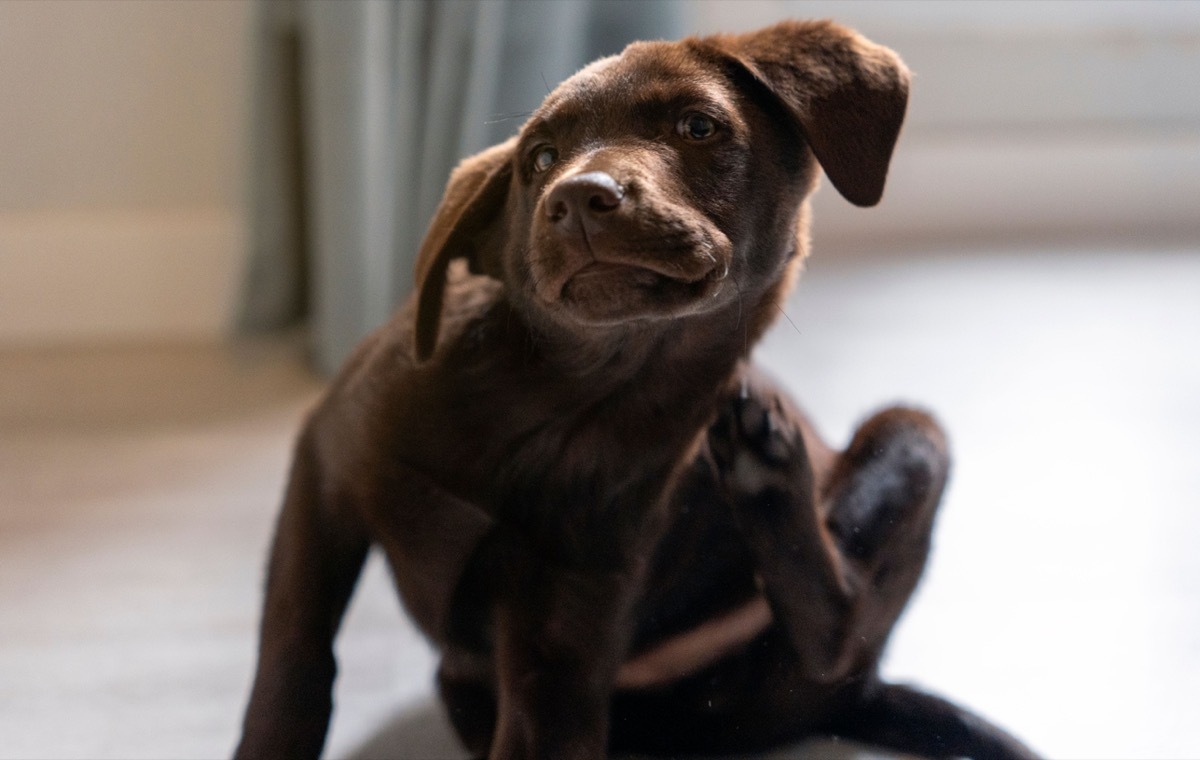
[642, 260]
[617, 291]
[602, 271]
[638, 274]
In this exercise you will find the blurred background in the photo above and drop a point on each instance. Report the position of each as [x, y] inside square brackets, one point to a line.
[204, 204]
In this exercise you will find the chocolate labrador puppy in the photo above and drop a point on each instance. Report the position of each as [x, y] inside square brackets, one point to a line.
[617, 534]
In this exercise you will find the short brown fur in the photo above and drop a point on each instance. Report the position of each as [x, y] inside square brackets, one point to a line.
[618, 535]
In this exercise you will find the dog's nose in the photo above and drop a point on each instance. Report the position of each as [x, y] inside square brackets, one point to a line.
[583, 195]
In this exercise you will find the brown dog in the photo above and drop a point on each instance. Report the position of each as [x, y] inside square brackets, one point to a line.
[617, 535]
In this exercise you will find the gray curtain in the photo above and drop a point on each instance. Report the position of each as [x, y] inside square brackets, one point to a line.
[363, 108]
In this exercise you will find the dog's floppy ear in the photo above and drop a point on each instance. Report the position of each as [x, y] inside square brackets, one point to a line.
[474, 197]
[847, 94]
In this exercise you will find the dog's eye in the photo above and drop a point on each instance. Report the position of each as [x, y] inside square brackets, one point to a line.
[696, 126]
[544, 158]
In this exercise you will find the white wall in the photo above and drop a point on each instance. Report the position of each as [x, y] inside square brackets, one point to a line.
[121, 168]
[1030, 122]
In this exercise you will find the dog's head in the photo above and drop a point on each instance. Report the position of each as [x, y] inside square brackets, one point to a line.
[669, 180]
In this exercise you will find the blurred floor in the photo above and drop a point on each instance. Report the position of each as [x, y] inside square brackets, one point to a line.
[138, 486]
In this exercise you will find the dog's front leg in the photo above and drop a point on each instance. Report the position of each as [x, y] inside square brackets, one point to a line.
[560, 634]
[316, 558]
[321, 541]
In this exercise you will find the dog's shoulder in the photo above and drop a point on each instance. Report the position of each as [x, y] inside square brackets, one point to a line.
[383, 388]
[387, 357]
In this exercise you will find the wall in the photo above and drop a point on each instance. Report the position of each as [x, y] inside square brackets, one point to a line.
[1030, 122]
[121, 179]
[123, 132]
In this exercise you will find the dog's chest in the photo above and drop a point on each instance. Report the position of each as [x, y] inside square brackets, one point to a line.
[566, 458]
[552, 459]
[549, 439]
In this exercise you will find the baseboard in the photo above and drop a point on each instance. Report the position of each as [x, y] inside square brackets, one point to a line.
[76, 276]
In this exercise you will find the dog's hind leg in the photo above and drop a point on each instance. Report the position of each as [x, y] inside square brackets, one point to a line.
[881, 498]
[878, 504]
[839, 550]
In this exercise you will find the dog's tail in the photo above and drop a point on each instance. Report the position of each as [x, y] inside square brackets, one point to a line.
[907, 720]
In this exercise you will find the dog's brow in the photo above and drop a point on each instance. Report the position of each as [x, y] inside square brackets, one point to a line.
[537, 129]
[535, 125]
[655, 103]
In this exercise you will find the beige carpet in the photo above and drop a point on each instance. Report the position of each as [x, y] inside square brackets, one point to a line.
[138, 486]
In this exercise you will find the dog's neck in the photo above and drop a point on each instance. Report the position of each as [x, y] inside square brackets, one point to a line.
[693, 353]
[698, 351]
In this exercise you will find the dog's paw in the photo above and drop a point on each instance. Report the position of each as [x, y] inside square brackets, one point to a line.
[891, 476]
[756, 447]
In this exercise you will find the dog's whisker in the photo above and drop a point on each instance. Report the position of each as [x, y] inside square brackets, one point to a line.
[502, 117]
[788, 318]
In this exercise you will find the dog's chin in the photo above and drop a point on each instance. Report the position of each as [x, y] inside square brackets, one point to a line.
[603, 293]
